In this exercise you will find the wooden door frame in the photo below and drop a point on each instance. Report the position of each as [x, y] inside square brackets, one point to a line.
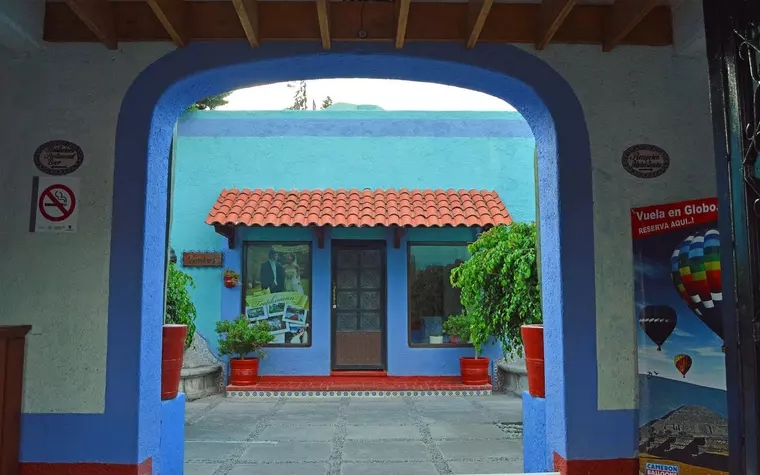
[360, 244]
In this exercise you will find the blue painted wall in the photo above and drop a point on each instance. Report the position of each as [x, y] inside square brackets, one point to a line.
[354, 149]
[128, 431]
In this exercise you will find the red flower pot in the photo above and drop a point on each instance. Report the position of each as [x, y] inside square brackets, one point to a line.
[244, 372]
[172, 355]
[474, 371]
[533, 342]
[230, 282]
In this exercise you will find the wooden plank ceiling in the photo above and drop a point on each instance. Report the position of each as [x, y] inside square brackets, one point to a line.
[619, 22]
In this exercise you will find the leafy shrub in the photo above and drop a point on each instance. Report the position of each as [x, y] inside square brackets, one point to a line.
[239, 338]
[500, 286]
[180, 309]
[468, 329]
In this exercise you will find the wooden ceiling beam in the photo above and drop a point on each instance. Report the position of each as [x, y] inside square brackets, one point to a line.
[402, 18]
[134, 21]
[477, 14]
[96, 14]
[553, 13]
[623, 17]
[323, 18]
[171, 14]
[248, 12]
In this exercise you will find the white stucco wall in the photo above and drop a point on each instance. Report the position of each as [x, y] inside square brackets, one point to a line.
[59, 283]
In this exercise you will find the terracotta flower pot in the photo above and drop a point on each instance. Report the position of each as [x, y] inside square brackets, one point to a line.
[474, 371]
[533, 342]
[244, 372]
[172, 355]
[230, 282]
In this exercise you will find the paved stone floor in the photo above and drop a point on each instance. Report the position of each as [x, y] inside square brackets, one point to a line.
[354, 436]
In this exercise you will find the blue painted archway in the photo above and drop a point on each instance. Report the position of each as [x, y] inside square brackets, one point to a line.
[578, 431]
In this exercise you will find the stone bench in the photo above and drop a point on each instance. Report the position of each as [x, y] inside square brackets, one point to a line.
[511, 377]
[202, 372]
[200, 381]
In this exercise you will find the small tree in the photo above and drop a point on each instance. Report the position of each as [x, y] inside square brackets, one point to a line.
[499, 284]
[238, 338]
[467, 328]
[180, 309]
[210, 102]
[300, 99]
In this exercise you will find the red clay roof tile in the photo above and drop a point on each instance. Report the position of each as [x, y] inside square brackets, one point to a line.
[419, 208]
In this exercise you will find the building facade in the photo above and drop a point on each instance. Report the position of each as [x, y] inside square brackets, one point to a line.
[411, 191]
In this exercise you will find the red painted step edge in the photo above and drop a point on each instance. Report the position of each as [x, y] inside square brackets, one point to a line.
[359, 374]
[363, 383]
[596, 467]
[34, 468]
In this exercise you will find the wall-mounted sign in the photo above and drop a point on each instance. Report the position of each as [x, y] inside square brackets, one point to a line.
[58, 157]
[202, 259]
[55, 207]
[645, 161]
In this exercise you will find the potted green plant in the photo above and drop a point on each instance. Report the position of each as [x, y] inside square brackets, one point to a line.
[500, 292]
[466, 327]
[244, 342]
[231, 278]
[178, 329]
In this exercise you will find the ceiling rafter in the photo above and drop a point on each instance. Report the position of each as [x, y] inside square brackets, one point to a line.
[402, 19]
[171, 14]
[248, 12]
[278, 20]
[96, 14]
[550, 18]
[477, 14]
[622, 18]
[323, 16]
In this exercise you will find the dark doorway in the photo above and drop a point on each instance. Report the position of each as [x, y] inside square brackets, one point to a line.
[358, 305]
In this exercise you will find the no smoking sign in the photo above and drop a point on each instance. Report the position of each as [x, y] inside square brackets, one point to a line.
[55, 208]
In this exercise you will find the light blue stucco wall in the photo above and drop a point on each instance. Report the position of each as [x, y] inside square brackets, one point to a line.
[331, 149]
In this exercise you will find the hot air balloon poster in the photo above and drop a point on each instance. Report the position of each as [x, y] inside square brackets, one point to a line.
[683, 426]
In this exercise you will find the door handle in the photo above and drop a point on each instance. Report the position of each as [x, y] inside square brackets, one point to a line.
[334, 300]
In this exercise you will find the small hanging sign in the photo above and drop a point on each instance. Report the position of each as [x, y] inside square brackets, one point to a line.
[645, 161]
[55, 207]
[58, 157]
[202, 259]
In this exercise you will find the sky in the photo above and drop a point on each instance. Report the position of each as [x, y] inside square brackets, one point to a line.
[653, 286]
[389, 94]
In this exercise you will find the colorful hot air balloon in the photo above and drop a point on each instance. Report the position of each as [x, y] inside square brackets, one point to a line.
[658, 322]
[683, 363]
[695, 272]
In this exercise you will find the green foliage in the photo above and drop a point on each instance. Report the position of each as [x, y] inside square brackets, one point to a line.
[239, 338]
[499, 285]
[458, 326]
[301, 99]
[210, 103]
[180, 309]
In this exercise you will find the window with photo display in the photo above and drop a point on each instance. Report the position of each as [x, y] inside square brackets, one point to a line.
[277, 280]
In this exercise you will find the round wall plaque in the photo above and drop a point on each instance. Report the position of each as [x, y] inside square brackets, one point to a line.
[645, 161]
[58, 157]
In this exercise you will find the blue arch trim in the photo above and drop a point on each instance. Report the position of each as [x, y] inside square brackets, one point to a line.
[128, 431]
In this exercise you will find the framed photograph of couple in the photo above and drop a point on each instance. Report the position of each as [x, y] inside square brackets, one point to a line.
[277, 281]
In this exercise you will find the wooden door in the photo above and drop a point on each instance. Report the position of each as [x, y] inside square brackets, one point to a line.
[359, 306]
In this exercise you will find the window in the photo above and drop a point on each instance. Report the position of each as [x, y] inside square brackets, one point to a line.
[277, 280]
[432, 299]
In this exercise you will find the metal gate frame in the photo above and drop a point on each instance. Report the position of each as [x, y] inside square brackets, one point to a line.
[733, 51]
